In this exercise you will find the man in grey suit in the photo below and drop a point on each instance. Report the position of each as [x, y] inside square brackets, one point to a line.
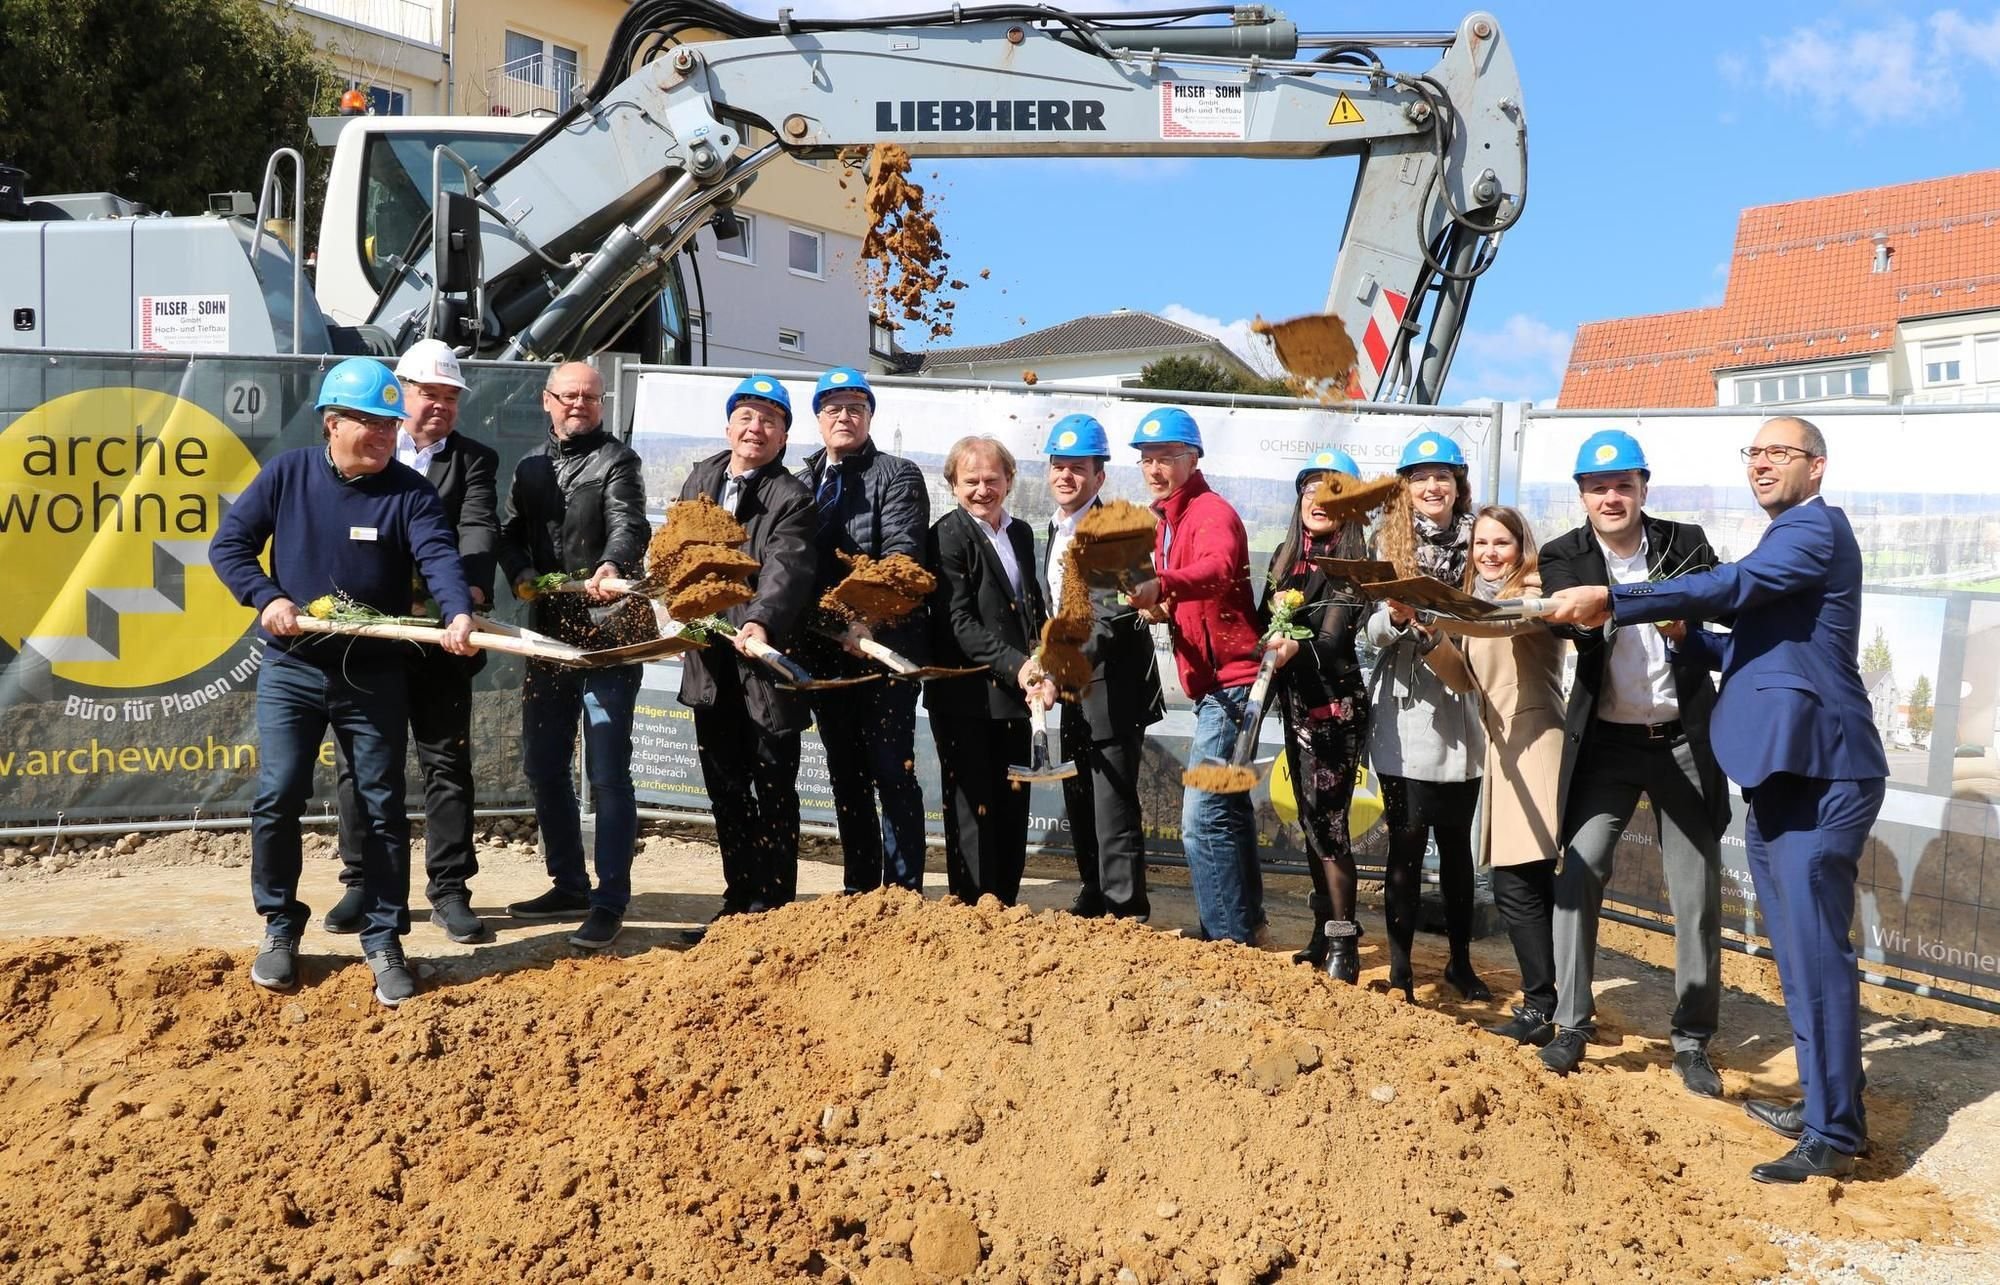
[1104, 727]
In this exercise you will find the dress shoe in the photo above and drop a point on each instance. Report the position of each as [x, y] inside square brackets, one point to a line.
[1466, 982]
[1698, 1073]
[1088, 904]
[1565, 1052]
[1811, 1158]
[1787, 1119]
[347, 915]
[1527, 1026]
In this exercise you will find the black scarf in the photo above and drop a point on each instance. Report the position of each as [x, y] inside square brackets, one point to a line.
[1442, 550]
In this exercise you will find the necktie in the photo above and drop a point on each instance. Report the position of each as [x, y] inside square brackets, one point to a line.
[732, 493]
[827, 498]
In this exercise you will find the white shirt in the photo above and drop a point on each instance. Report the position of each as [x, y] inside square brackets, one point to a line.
[408, 452]
[1004, 547]
[1062, 531]
[1638, 684]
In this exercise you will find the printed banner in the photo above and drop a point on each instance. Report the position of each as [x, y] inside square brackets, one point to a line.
[1929, 530]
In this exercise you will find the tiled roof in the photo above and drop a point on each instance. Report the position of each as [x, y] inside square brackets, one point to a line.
[1802, 288]
[1100, 332]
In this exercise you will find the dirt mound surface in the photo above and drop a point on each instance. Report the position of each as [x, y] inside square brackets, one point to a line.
[874, 1089]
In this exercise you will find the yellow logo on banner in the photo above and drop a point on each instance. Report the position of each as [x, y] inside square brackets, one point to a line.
[108, 499]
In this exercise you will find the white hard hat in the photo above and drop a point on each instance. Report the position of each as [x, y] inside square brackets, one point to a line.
[430, 361]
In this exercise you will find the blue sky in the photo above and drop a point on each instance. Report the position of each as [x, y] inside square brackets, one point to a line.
[1649, 126]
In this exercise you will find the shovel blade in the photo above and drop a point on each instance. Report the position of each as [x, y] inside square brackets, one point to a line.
[1032, 775]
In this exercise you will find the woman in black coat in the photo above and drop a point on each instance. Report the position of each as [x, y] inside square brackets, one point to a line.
[1325, 706]
[987, 611]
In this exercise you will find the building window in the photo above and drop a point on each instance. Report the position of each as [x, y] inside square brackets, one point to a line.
[1986, 359]
[384, 101]
[805, 249]
[1812, 385]
[791, 340]
[697, 323]
[534, 61]
[1941, 363]
[740, 243]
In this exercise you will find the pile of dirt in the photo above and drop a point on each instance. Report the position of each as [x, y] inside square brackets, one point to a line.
[903, 248]
[695, 560]
[1319, 355]
[875, 1089]
[878, 591]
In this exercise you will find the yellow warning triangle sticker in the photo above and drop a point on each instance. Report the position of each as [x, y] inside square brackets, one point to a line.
[1344, 111]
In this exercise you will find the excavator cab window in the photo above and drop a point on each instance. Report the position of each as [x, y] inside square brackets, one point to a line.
[396, 197]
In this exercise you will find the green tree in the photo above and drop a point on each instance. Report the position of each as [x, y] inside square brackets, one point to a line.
[162, 101]
[1876, 654]
[1921, 713]
[1206, 375]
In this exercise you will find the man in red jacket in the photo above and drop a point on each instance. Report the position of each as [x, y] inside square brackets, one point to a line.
[1203, 593]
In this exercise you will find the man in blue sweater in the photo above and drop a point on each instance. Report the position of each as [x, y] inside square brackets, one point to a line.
[341, 519]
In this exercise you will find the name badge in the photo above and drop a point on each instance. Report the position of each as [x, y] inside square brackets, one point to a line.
[361, 533]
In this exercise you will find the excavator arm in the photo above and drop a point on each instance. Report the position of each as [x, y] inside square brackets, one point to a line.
[574, 231]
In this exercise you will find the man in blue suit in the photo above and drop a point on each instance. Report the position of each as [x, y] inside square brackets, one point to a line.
[1792, 728]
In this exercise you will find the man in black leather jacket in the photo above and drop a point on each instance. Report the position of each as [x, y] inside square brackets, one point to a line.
[745, 727]
[867, 501]
[578, 505]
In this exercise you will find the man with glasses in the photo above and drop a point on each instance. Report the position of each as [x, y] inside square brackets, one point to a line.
[342, 519]
[1638, 723]
[1793, 729]
[866, 502]
[466, 474]
[1202, 592]
[578, 505]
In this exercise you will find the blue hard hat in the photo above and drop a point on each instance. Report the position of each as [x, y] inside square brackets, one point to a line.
[1610, 450]
[1076, 435]
[1166, 426]
[1332, 460]
[764, 388]
[364, 386]
[1430, 447]
[840, 377]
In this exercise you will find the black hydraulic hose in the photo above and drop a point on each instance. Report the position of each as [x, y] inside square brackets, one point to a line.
[700, 300]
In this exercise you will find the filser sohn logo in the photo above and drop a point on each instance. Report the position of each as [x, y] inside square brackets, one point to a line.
[108, 499]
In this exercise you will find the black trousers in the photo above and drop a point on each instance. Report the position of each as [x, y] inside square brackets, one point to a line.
[1526, 896]
[440, 699]
[1102, 802]
[752, 777]
[985, 815]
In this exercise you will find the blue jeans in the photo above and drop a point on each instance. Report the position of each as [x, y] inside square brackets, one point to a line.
[552, 699]
[1219, 831]
[870, 737]
[368, 711]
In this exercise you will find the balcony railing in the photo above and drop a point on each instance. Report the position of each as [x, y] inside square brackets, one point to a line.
[536, 83]
[410, 19]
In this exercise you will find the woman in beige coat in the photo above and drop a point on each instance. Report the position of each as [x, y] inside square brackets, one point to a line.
[1516, 668]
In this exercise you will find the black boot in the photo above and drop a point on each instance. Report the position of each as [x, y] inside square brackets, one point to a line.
[1314, 951]
[1343, 960]
[1400, 976]
[1459, 973]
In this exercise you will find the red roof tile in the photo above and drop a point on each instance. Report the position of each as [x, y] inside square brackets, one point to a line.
[1802, 288]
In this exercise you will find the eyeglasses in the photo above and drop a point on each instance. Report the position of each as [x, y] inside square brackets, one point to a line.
[371, 424]
[843, 410]
[1166, 458]
[575, 399]
[1779, 455]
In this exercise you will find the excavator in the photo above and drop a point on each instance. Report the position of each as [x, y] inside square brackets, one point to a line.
[559, 238]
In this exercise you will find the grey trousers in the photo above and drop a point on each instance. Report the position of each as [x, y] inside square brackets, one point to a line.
[1604, 792]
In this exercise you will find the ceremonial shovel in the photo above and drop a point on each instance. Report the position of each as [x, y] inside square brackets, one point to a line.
[1039, 768]
[1242, 770]
[791, 674]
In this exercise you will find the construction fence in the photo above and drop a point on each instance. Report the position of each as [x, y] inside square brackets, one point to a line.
[127, 674]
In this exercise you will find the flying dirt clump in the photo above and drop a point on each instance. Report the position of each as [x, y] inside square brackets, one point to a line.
[694, 558]
[1345, 498]
[878, 591]
[1220, 778]
[903, 247]
[1318, 354]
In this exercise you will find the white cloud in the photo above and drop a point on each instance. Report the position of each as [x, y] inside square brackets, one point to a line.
[1522, 360]
[1235, 336]
[1899, 70]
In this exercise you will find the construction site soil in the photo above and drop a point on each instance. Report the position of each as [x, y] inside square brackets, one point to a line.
[879, 1089]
